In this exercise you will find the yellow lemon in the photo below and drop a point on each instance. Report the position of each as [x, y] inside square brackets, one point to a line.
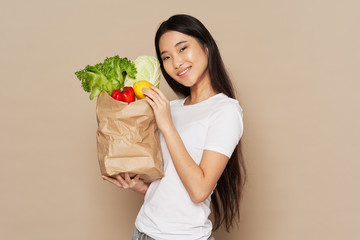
[138, 86]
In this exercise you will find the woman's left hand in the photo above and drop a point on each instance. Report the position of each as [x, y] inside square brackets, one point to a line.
[136, 184]
[161, 107]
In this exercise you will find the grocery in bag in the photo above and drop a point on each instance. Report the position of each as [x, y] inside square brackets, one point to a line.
[127, 135]
[128, 139]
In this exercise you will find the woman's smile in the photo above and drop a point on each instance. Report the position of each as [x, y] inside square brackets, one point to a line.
[184, 72]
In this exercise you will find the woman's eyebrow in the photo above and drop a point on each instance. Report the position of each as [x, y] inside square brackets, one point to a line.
[177, 44]
[181, 42]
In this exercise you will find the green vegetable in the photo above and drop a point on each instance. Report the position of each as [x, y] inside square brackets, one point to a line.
[148, 68]
[106, 76]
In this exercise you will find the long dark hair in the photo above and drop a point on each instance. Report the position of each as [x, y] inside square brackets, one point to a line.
[227, 194]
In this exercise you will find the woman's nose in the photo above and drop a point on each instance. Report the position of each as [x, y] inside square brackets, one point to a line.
[177, 62]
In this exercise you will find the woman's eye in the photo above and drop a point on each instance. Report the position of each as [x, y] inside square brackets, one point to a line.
[165, 58]
[182, 49]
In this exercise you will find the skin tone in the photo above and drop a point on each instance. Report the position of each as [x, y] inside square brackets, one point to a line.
[186, 61]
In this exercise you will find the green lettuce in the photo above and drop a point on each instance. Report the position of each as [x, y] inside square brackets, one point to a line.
[106, 76]
[148, 68]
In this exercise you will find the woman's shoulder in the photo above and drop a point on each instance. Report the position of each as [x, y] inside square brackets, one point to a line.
[217, 103]
[223, 102]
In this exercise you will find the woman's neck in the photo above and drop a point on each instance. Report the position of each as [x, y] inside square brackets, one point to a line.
[200, 93]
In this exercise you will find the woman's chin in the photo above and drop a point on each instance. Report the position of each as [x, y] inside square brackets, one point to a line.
[186, 83]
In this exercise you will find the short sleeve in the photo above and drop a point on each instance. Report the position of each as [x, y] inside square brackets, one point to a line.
[225, 129]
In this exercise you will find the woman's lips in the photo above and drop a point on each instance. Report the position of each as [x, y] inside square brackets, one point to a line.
[184, 72]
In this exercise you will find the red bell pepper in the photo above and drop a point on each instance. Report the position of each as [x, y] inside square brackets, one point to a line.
[127, 95]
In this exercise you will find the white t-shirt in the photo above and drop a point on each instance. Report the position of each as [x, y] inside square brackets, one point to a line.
[168, 212]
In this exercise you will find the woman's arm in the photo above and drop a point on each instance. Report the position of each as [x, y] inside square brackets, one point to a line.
[199, 180]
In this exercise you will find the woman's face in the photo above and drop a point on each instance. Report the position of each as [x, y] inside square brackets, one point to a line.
[184, 59]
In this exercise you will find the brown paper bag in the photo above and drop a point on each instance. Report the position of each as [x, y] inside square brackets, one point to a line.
[128, 138]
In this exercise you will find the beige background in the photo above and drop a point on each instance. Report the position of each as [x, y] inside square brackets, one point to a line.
[295, 65]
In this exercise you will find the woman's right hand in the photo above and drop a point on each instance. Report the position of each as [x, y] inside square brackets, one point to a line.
[136, 184]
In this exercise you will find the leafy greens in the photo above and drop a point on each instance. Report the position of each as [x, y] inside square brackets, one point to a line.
[148, 68]
[106, 76]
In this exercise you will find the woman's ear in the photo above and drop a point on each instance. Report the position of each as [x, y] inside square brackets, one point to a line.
[206, 49]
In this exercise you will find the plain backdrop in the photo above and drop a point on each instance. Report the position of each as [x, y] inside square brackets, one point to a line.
[295, 65]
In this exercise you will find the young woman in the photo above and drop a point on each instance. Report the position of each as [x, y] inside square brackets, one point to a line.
[200, 139]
